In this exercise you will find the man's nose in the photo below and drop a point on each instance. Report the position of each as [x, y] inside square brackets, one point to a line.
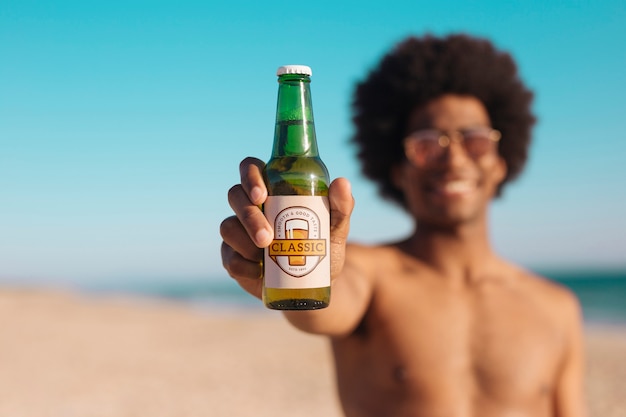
[454, 155]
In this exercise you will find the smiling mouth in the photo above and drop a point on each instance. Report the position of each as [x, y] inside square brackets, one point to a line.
[455, 187]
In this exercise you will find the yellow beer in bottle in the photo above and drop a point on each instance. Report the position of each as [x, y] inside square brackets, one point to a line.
[296, 266]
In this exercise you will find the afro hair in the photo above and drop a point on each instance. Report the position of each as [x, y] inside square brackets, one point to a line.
[418, 70]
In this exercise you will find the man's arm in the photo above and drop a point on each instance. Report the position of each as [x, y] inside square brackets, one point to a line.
[570, 398]
[350, 297]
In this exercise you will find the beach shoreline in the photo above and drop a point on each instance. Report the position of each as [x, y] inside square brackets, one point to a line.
[75, 354]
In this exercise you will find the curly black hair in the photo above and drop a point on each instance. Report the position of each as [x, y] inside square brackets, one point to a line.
[418, 70]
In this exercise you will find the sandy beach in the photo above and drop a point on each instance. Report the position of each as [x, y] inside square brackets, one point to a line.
[66, 355]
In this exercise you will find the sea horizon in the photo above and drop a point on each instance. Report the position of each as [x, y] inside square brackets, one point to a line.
[601, 291]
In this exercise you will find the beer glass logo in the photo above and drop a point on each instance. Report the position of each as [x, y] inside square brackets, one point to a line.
[297, 247]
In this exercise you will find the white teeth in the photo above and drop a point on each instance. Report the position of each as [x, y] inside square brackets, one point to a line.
[458, 186]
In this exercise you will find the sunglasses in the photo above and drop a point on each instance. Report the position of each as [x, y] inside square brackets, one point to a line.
[423, 147]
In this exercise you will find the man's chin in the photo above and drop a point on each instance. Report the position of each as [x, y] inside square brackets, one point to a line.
[450, 218]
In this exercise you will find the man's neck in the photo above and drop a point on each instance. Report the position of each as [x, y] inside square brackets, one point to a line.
[460, 252]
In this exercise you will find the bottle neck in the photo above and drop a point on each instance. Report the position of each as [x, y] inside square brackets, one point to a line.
[294, 133]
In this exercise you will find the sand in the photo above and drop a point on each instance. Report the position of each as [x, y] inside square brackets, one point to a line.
[69, 354]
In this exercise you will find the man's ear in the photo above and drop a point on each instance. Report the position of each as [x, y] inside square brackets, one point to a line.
[501, 170]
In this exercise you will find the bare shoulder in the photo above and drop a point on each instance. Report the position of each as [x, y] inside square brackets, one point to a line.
[369, 261]
[547, 293]
[371, 257]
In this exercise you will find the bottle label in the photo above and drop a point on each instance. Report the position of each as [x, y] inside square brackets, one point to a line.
[298, 257]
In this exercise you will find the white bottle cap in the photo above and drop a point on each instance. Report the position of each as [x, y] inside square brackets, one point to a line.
[294, 69]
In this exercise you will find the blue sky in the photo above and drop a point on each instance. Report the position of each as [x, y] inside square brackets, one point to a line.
[122, 124]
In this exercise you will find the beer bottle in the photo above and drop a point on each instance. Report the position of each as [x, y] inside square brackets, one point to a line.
[296, 266]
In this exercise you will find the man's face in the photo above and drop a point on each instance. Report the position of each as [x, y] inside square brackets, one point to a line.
[454, 187]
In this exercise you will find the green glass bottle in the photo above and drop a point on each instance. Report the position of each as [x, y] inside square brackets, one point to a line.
[296, 267]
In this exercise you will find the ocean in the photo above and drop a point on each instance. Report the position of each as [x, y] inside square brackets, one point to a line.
[602, 293]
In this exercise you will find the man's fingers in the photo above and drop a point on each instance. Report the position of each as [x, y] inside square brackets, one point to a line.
[235, 235]
[251, 217]
[251, 173]
[247, 273]
[248, 230]
[341, 206]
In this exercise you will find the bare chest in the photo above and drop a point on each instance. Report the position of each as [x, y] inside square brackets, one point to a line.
[441, 345]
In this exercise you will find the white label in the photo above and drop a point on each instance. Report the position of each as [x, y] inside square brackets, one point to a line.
[299, 255]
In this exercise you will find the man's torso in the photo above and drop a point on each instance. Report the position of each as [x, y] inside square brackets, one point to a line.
[431, 347]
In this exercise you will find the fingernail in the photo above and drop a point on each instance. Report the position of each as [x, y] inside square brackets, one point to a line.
[256, 194]
[262, 236]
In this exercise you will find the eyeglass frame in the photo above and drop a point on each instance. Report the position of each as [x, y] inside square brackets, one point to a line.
[445, 138]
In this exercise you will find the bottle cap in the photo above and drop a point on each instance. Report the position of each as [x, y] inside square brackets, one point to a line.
[294, 69]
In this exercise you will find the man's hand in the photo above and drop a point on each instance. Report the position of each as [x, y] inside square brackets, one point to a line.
[247, 232]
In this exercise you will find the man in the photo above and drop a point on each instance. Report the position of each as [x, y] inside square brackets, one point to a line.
[436, 324]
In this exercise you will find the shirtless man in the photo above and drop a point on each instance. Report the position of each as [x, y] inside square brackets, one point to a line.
[436, 324]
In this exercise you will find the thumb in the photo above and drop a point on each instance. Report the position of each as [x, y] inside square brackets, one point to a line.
[341, 206]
